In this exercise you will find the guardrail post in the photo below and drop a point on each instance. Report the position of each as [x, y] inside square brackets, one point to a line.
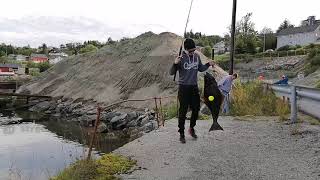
[293, 100]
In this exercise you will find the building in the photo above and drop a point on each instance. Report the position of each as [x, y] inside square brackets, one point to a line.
[220, 48]
[57, 57]
[8, 69]
[307, 33]
[21, 58]
[39, 58]
[18, 57]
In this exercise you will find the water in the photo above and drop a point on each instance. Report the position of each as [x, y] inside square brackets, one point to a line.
[39, 150]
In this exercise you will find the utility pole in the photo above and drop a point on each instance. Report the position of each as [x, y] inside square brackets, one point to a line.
[233, 29]
[264, 42]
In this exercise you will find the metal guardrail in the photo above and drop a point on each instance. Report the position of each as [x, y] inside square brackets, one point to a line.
[308, 99]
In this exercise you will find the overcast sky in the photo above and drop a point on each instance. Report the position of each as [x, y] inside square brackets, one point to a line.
[33, 22]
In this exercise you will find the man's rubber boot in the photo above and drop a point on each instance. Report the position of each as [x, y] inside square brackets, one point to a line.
[182, 139]
[193, 133]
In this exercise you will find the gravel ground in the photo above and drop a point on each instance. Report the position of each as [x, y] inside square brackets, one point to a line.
[263, 149]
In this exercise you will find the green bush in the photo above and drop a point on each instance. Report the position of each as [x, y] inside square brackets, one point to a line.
[315, 61]
[310, 69]
[170, 111]
[250, 99]
[207, 51]
[291, 74]
[224, 64]
[284, 48]
[300, 51]
[44, 66]
[312, 53]
[318, 84]
[88, 48]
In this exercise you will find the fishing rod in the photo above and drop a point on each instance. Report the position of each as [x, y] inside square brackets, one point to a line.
[185, 31]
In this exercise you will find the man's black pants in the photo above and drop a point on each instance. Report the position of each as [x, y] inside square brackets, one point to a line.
[188, 97]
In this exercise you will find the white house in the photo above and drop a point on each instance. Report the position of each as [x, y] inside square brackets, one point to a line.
[220, 48]
[56, 57]
[307, 33]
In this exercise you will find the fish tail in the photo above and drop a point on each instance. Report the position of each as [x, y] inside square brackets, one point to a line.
[215, 126]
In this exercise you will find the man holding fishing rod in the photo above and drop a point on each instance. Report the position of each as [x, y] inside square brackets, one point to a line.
[188, 64]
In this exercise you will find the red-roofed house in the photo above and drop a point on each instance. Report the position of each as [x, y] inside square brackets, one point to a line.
[39, 58]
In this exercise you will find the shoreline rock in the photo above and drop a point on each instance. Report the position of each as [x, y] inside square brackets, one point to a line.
[133, 123]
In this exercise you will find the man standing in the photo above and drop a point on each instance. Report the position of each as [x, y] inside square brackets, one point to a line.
[225, 87]
[284, 80]
[188, 65]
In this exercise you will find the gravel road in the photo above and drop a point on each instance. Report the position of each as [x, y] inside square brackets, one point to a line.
[263, 149]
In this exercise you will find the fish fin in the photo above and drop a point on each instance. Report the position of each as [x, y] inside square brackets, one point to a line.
[215, 126]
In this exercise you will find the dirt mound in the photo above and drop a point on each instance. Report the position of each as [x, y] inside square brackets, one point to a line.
[133, 68]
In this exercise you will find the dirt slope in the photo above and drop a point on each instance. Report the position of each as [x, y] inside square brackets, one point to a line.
[134, 68]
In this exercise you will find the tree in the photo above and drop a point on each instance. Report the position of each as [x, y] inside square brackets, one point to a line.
[44, 49]
[284, 25]
[246, 35]
[110, 41]
[88, 48]
[268, 39]
[74, 48]
[266, 30]
[207, 51]
[44, 66]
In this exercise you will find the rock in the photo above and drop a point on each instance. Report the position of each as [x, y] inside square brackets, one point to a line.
[121, 125]
[102, 128]
[77, 105]
[119, 118]
[42, 106]
[56, 115]
[141, 117]
[133, 123]
[133, 130]
[151, 117]
[78, 112]
[148, 127]
[205, 110]
[146, 110]
[155, 124]
[87, 120]
[91, 112]
[59, 107]
[107, 116]
[152, 112]
[53, 106]
[48, 112]
[8, 121]
[144, 121]
[132, 116]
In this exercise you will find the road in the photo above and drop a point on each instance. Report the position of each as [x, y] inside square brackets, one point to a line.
[264, 149]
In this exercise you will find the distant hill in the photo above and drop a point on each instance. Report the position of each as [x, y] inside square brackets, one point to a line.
[132, 68]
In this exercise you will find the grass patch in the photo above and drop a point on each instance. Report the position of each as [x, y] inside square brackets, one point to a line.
[170, 111]
[204, 117]
[318, 84]
[250, 99]
[102, 169]
[309, 119]
[313, 62]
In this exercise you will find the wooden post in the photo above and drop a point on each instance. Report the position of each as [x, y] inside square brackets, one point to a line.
[157, 115]
[161, 114]
[94, 132]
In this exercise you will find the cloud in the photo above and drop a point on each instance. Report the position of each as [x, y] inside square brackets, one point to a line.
[60, 30]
